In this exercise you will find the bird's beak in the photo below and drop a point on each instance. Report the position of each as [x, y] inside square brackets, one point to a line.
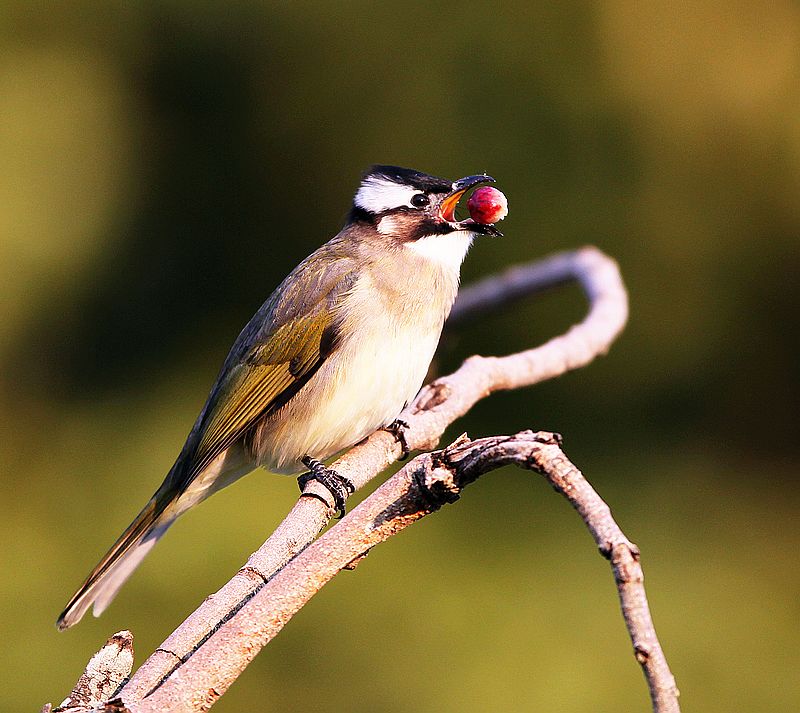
[447, 208]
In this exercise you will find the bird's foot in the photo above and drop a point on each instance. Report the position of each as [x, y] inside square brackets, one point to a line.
[338, 486]
[398, 429]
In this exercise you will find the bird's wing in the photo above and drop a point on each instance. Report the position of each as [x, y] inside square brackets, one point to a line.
[276, 354]
[272, 372]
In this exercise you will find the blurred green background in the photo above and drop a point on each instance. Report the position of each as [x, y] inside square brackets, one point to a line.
[166, 164]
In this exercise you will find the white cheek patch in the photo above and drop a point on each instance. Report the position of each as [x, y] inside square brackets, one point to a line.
[379, 194]
[388, 225]
[446, 250]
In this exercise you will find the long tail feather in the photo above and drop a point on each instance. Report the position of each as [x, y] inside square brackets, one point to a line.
[105, 580]
[177, 494]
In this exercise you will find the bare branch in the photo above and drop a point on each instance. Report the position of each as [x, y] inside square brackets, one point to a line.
[434, 409]
[420, 488]
[513, 284]
[106, 671]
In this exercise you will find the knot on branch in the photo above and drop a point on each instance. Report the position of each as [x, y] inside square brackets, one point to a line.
[439, 476]
[436, 483]
[431, 396]
[642, 653]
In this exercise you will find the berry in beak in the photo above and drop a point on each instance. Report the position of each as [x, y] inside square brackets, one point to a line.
[447, 208]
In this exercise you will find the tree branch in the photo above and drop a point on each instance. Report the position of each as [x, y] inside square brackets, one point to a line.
[420, 488]
[436, 407]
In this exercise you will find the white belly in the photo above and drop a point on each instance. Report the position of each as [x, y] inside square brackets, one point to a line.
[364, 385]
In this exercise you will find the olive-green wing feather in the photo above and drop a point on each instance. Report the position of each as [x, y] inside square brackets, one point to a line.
[281, 348]
[264, 381]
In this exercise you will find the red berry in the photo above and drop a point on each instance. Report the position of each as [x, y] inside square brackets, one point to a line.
[487, 205]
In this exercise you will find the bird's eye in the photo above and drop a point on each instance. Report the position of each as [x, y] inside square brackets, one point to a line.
[420, 200]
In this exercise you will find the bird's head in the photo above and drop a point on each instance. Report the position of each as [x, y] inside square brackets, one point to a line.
[416, 210]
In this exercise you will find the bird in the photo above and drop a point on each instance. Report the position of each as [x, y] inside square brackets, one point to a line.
[335, 353]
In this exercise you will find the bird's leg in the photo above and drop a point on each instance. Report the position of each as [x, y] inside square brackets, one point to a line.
[398, 429]
[338, 486]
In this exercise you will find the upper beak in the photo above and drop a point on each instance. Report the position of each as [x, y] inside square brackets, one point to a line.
[447, 208]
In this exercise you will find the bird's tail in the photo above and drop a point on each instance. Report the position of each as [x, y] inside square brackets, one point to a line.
[105, 580]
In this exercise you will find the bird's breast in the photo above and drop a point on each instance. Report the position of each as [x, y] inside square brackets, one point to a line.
[386, 347]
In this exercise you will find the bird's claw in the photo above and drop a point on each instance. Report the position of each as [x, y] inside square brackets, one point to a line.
[398, 429]
[338, 486]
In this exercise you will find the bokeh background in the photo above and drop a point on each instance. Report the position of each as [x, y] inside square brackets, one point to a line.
[164, 164]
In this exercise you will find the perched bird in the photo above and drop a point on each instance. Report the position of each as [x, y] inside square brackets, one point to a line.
[336, 352]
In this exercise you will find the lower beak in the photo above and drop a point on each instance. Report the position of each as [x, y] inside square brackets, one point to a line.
[447, 209]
